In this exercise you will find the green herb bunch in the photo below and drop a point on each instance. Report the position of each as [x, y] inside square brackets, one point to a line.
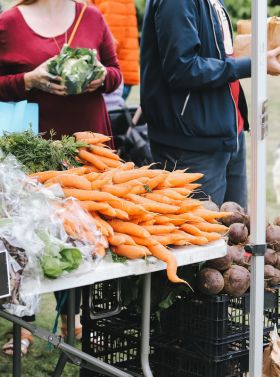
[38, 154]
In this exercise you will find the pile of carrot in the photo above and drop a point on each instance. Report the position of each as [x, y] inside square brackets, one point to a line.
[141, 211]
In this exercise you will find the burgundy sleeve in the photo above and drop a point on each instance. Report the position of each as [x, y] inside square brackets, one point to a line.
[108, 57]
[12, 87]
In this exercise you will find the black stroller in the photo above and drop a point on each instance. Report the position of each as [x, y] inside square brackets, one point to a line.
[130, 134]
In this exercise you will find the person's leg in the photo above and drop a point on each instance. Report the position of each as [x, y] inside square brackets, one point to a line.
[212, 165]
[236, 175]
[26, 340]
[78, 326]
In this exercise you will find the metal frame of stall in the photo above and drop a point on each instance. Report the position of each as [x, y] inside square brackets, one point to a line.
[258, 182]
[106, 270]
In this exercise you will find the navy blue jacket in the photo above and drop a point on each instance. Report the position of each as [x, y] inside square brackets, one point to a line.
[185, 76]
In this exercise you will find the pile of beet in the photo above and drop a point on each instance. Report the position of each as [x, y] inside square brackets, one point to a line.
[231, 273]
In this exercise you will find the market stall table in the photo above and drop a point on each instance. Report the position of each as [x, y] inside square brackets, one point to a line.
[106, 270]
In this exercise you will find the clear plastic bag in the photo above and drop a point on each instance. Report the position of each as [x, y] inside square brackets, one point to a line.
[55, 234]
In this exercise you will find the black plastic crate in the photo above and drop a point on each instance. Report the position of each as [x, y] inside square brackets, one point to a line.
[171, 359]
[114, 340]
[102, 300]
[217, 318]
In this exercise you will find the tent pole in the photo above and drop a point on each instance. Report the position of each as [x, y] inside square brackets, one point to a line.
[258, 181]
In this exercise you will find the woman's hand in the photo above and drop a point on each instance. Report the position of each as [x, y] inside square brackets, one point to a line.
[95, 84]
[273, 64]
[41, 79]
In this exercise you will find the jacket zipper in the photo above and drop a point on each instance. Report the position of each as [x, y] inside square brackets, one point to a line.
[220, 55]
[236, 111]
[185, 103]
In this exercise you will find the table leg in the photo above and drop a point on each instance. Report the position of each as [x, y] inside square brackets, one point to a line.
[70, 332]
[16, 350]
[145, 336]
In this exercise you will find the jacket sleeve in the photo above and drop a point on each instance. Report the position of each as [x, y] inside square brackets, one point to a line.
[12, 87]
[108, 57]
[176, 24]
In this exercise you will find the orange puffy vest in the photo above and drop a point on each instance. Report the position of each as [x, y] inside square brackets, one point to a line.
[120, 16]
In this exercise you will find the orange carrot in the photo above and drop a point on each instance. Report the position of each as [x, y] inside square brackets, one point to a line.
[128, 228]
[83, 135]
[89, 157]
[159, 229]
[70, 180]
[131, 208]
[170, 193]
[120, 214]
[147, 223]
[161, 253]
[182, 190]
[151, 205]
[92, 176]
[191, 229]
[131, 252]
[97, 196]
[206, 227]
[212, 236]
[116, 239]
[162, 220]
[90, 205]
[105, 152]
[168, 239]
[128, 239]
[126, 176]
[116, 190]
[188, 206]
[90, 169]
[159, 198]
[43, 176]
[112, 163]
[195, 240]
[206, 214]
[103, 224]
[100, 250]
[98, 184]
[144, 241]
[108, 211]
[180, 179]
[192, 186]
[127, 166]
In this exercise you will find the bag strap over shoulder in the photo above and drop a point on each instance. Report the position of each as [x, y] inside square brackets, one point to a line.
[132, 121]
[70, 40]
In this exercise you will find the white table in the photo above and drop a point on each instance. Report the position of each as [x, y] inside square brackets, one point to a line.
[107, 270]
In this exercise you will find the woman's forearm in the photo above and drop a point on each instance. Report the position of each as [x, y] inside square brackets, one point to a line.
[12, 87]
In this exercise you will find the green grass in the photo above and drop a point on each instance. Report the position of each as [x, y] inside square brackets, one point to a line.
[41, 361]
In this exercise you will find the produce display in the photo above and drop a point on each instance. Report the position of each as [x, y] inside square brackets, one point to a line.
[77, 67]
[231, 273]
[33, 224]
[140, 211]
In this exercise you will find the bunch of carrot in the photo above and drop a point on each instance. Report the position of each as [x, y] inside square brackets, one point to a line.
[141, 211]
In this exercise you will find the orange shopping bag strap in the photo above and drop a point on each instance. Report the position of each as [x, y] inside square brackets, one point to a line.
[70, 40]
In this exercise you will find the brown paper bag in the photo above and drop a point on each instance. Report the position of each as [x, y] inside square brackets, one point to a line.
[273, 33]
[242, 46]
[242, 41]
[244, 27]
[271, 356]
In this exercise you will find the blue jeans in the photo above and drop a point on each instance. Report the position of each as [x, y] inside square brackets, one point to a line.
[224, 173]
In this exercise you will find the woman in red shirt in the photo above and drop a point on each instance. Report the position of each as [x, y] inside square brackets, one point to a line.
[34, 32]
